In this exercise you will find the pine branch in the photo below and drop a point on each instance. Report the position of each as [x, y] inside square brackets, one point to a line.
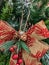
[7, 9]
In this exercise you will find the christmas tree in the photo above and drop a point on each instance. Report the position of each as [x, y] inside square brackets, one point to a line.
[22, 22]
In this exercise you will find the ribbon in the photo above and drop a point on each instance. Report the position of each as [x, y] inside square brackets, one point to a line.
[32, 37]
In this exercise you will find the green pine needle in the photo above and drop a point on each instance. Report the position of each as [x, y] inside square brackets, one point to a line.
[24, 46]
[7, 45]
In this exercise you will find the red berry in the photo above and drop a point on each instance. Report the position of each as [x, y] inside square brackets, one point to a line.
[15, 56]
[20, 61]
[12, 49]
[17, 64]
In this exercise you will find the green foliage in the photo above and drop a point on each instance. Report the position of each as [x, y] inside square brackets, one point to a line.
[47, 12]
[4, 58]
[45, 59]
[5, 55]
[38, 10]
[22, 45]
[6, 11]
[12, 12]
[6, 45]
[47, 23]
[18, 45]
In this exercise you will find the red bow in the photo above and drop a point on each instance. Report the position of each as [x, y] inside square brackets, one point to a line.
[32, 37]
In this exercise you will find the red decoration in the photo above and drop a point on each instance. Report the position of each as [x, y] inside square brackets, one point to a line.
[12, 49]
[29, 60]
[17, 64]
[38, 55]
[6, 32]
[20, 61]
[31, 37]
[15, 56]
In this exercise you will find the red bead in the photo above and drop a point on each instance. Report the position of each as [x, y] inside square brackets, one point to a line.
[12, 49]
[15, 56]
[20, 61]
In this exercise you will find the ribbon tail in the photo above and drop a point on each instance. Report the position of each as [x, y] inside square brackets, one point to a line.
[29, 60]
[37, 48]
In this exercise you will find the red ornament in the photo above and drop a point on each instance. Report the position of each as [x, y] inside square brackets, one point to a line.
[15, 56]
[12, 49]
[20, 61]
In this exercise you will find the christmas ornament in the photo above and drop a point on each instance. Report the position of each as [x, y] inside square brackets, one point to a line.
[32, 37]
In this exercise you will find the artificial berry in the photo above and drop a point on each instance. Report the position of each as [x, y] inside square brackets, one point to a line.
[20, 61]
[12, 49]
[17, 64]
[15, 56]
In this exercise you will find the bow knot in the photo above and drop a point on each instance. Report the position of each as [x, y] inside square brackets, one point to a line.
[21, 35]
